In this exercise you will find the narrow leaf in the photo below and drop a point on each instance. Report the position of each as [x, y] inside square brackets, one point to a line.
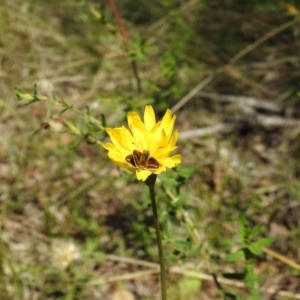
[235, 256]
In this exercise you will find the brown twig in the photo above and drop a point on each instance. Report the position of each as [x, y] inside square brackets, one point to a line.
[282, 258]
[119, 21]
[126, 43]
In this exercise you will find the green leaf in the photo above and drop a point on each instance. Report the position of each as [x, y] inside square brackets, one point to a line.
[255, 231]
[235, 256]
[178, 201]
[151, 230]
[264, 242]
[255, 249]
[243, 228]
[21, 95]
[187, 172]
[75, 145]
[88, 110]
[188, 286]
[64, 110]
[196, 251]
[182, 243]
[169, 181]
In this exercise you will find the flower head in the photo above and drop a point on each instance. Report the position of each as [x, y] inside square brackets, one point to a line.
[145, 147]
[64, 253]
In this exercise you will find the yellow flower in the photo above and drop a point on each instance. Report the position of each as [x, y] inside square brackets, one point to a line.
[146, 146]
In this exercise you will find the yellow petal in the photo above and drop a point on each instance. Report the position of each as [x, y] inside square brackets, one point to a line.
[143, 175]
[176, 158]
[149, 117]
[115, 135]
[174, 138]
[115, 155]
[160, 170]
[168, 162]
[127, 139]
[169, 128]
[166, 119]
[108, 146]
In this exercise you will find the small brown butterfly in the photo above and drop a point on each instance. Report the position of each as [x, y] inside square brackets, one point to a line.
[142, 161]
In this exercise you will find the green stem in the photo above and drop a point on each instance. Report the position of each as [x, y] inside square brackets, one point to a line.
[151, 182]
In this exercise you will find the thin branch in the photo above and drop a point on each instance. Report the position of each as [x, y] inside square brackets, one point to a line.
[119, 21]
[126, 43]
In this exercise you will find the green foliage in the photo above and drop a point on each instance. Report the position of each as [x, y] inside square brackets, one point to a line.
[248, 251]
[188, 286]
[88, 128]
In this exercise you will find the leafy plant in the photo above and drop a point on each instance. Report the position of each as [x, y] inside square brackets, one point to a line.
[250, 249]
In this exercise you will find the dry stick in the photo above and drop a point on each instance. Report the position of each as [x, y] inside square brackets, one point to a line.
[234, 59]
[282, 258]
[126, 43]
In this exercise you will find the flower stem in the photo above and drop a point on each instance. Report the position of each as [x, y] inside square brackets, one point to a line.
[151, 182]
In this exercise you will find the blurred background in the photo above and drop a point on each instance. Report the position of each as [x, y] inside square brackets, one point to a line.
[229, 70]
